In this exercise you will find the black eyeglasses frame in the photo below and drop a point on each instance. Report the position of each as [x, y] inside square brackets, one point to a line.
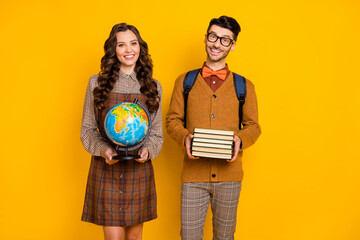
[232, 41]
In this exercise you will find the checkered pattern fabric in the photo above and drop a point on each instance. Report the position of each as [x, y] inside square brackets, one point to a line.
[195, 200]
[122, 194]
[93, 141]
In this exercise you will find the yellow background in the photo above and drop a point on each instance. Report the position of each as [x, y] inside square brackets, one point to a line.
[302, 177]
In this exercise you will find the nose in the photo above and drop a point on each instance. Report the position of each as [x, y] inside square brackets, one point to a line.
[128, 48]
[217, 43]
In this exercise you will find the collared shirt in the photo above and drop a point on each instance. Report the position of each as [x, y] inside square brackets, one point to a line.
[213, 81]
[91, 138]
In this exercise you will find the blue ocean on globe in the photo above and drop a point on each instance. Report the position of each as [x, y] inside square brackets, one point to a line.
[126, 124]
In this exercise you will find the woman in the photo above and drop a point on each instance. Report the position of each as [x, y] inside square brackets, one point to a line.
[120, 195]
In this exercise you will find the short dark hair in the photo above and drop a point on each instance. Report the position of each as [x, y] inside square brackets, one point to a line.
[228, 23]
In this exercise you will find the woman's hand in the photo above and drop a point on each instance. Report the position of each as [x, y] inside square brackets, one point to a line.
[144, 155]
[109, 153]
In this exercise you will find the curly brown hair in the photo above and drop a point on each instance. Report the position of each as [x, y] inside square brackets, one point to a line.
[110, 67]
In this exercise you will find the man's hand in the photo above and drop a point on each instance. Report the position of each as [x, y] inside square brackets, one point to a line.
[144, 154]
[188, 139]
[237, 142]
[109, 153]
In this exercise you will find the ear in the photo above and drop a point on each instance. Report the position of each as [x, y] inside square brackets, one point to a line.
[233, 46]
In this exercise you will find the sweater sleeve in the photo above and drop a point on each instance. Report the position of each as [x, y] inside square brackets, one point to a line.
[175, 116]
[155, 140]
[90, 137]
[251, 129]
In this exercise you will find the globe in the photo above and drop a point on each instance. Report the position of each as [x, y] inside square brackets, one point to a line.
[127, 124]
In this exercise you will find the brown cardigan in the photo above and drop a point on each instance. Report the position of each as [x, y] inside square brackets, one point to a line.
[217, 110]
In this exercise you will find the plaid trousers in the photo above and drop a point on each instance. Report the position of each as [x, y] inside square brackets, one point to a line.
[195, 200]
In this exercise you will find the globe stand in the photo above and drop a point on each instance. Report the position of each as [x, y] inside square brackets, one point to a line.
[126, 156]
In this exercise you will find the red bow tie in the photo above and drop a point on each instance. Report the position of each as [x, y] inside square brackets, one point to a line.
[219, 73]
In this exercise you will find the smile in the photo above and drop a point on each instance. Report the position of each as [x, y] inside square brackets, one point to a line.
[213, 50]
[129, 56]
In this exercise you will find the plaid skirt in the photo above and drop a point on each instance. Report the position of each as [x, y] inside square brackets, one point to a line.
[122, 194]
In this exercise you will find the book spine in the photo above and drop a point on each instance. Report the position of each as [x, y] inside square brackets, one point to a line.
[212, 145]
[212, 150]
[207, 140]
[212, 136]
[214, 131]
[211, 155]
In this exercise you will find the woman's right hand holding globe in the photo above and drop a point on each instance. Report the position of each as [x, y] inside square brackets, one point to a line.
[144, 155]
[109, 153]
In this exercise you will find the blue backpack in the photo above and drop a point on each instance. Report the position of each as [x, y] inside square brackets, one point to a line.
[240, 88]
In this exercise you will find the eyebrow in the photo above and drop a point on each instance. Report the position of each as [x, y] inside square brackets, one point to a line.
[227, 36]
[134, 40]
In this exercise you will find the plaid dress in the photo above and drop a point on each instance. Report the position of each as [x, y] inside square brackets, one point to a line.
[122, 194]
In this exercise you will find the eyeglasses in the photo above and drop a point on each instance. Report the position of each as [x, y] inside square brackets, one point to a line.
[225, 41]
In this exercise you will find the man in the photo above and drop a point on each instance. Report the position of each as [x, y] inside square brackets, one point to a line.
[212, 103]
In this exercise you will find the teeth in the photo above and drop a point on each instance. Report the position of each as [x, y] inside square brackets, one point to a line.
[214, 50]
[129, 56]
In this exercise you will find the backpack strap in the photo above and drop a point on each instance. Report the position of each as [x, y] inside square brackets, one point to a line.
[188, 83]
[240, 88]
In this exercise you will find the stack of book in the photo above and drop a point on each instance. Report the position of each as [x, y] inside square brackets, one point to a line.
[212, 143]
